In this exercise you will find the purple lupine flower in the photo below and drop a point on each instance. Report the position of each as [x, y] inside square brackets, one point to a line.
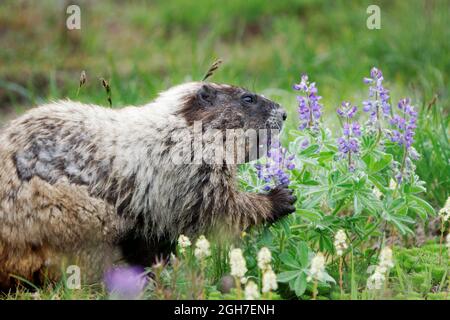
[348, 143]
[304, 144]
[274, 171]
[378, 96]
[346, 110]
[403, 134]
[126, 283]
[405, 126]
[309, 108]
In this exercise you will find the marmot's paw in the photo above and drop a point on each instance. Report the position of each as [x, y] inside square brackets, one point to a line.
[282, 202]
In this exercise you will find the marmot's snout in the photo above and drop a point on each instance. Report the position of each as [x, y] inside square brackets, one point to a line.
[281, 111]
[277, 117]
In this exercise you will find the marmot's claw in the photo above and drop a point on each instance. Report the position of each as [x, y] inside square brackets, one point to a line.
[283, 202]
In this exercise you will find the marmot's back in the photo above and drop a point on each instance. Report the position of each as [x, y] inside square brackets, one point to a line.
[46, 208]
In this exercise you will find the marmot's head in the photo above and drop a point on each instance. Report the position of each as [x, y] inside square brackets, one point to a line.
[220, 106]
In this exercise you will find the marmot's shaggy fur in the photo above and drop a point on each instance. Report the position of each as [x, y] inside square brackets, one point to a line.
[86, 185]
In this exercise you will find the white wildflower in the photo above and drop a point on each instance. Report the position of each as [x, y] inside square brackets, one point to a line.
[385, 260]
[183, 243]
[377, 193]
[202, 248]
[264, 258]
[251, 291]
[340, 242]
[376, 280]
[445, 211]
[237, 263]
[36, 295]
[269, 281]
[392, 184]
[448, 243]
[317, 269]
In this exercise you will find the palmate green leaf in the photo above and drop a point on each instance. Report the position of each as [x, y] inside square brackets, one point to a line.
[328, 278]
[300, 284]
[423, 204]
[287, 276]
[325, 156]
[331, 147]
[404, 229]
[396, 204]
[312, 201]
[356, 205]
[401, 222]
[315, 189]
[419, 210]
[368, 141]
[310, 183]
[413, 189]
[325, 242]
[312, 149]
[288, 260]
[377, 161]
[309, 214]
[369, 202]
[377, 180]
[303, 253]
[285, 224]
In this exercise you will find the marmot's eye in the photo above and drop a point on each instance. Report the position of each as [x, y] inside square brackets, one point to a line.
[248, 98]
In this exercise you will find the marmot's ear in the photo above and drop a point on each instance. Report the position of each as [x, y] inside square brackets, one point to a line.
[206, 95]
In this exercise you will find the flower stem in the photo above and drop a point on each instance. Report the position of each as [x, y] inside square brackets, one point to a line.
[314, 296]
[441, 240]
[402, 168]
[341, 283]
[237, 281]
[348, 141]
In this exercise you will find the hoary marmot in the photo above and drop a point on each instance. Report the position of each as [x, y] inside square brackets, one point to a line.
[91, 185]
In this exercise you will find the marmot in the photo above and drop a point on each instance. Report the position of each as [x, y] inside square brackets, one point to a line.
[94, 185]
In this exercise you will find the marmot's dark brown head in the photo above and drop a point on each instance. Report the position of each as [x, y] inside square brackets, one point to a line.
[220, 106]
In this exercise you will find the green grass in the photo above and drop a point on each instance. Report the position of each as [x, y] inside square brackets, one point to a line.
[144, 47]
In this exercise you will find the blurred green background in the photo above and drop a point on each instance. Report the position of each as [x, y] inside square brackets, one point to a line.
[143, 47]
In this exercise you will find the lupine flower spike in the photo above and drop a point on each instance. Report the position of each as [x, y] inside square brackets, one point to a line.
[264, 258]
[309, 108]
[444, 214]
[348, 143]
[202, 248]
[125, 283]
[237, 264]
[379, 277]
[378, 103]
[403, 134]
[275, 171]
[269, 278]
[448, 244]
[340, 243]
[183, 243]
[251, 291]
[316, 271]
[269, 281]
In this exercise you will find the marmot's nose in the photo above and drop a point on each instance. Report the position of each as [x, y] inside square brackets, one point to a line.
[283, 115]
